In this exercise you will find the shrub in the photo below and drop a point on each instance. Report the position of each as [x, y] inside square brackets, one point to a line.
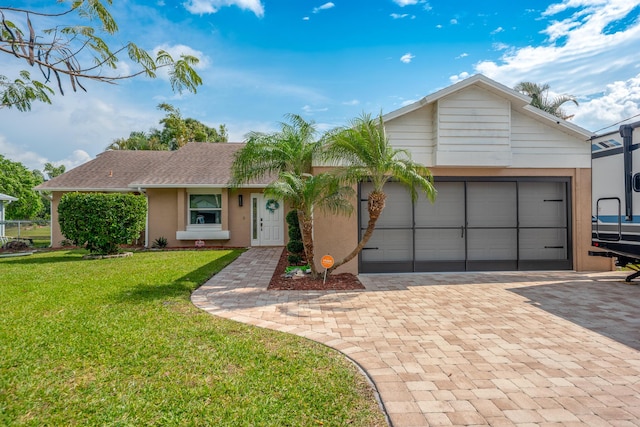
[295, 247]
[160, 243]
[16, 245]
[102, 222]
[294, 226]
[294, 259]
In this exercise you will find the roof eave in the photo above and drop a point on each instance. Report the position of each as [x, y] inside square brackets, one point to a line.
[136, 186]
[568, 126]
[480, 79]
[87, 190]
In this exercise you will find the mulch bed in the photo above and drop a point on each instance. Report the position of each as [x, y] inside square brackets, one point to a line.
[341, 282]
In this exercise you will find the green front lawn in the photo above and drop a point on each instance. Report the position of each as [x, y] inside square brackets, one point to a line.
[118, 342]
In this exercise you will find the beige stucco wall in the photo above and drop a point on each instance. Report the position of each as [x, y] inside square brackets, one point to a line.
[56, 235]
[336, 235]
[162, 215]
[168, 214]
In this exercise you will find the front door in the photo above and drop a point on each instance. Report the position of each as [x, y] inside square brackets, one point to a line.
[267, 221]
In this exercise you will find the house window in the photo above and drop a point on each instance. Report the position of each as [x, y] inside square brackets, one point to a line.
[205, 209]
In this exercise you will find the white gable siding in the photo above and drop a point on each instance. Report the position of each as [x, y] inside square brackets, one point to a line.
[474, 129]
[538, 145]
[414, 132]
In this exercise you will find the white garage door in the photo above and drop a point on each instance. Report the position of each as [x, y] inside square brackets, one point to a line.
[518, 224]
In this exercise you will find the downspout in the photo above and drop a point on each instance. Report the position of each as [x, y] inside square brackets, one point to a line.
[626, 132]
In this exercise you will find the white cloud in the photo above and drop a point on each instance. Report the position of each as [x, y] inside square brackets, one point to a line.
[462, 55]
[325, 6]
[586, 49]
[310, 110]
[201, 7]
[399, 15]
[76, 158]
[497, 30]
[580, 57]
[453, 21]
[456, 78]
[406, 58]
[32, 160]
[403, 3]
[29, 159]
[306, 18]
[620, 101]
[439, 26]
[353, 102]
[500, 46]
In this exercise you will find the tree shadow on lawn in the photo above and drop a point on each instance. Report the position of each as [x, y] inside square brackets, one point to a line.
[182, 286]
[31, 260]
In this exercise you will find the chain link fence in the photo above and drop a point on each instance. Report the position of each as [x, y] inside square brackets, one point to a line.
[37, 233]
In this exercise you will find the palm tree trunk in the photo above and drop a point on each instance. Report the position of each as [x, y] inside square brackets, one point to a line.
[375, 206]
[306, 229]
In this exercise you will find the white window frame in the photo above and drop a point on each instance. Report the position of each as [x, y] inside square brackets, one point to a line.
[204, 191]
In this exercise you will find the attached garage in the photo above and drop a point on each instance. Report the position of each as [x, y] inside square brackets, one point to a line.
[476, 224]
[513, 182]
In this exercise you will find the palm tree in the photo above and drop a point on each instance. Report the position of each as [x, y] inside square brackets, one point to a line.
[364, 149]
[540, 98]
[288, 155]
[306, 192]
[292, 149]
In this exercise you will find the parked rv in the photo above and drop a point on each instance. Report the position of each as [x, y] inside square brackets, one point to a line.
[615, 196]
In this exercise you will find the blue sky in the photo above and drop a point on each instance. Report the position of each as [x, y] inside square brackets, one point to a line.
[332, 61]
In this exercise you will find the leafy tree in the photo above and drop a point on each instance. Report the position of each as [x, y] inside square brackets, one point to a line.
[75, 53]
[540, 98]
[18, 181]
[138, 140]
[306, 192]
[53, 171]
[364, 147]
[102, 221]
[178, 131]
[175, 133]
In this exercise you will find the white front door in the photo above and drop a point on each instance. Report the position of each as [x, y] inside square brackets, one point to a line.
[267, 221]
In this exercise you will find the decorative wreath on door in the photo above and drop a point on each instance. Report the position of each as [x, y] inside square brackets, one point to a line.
[272, 205]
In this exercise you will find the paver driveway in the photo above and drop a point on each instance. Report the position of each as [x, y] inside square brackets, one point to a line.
[541, 348]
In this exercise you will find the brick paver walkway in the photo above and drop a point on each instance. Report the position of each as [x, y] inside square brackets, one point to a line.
[540, 348]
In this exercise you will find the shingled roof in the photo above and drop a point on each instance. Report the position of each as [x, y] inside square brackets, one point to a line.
[197, 164]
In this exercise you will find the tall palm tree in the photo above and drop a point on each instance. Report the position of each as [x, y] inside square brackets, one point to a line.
[292, 149]
[540, 98]
[364, 150]
[306, 192]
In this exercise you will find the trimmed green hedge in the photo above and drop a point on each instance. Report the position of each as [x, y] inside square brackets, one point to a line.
[102, 221]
